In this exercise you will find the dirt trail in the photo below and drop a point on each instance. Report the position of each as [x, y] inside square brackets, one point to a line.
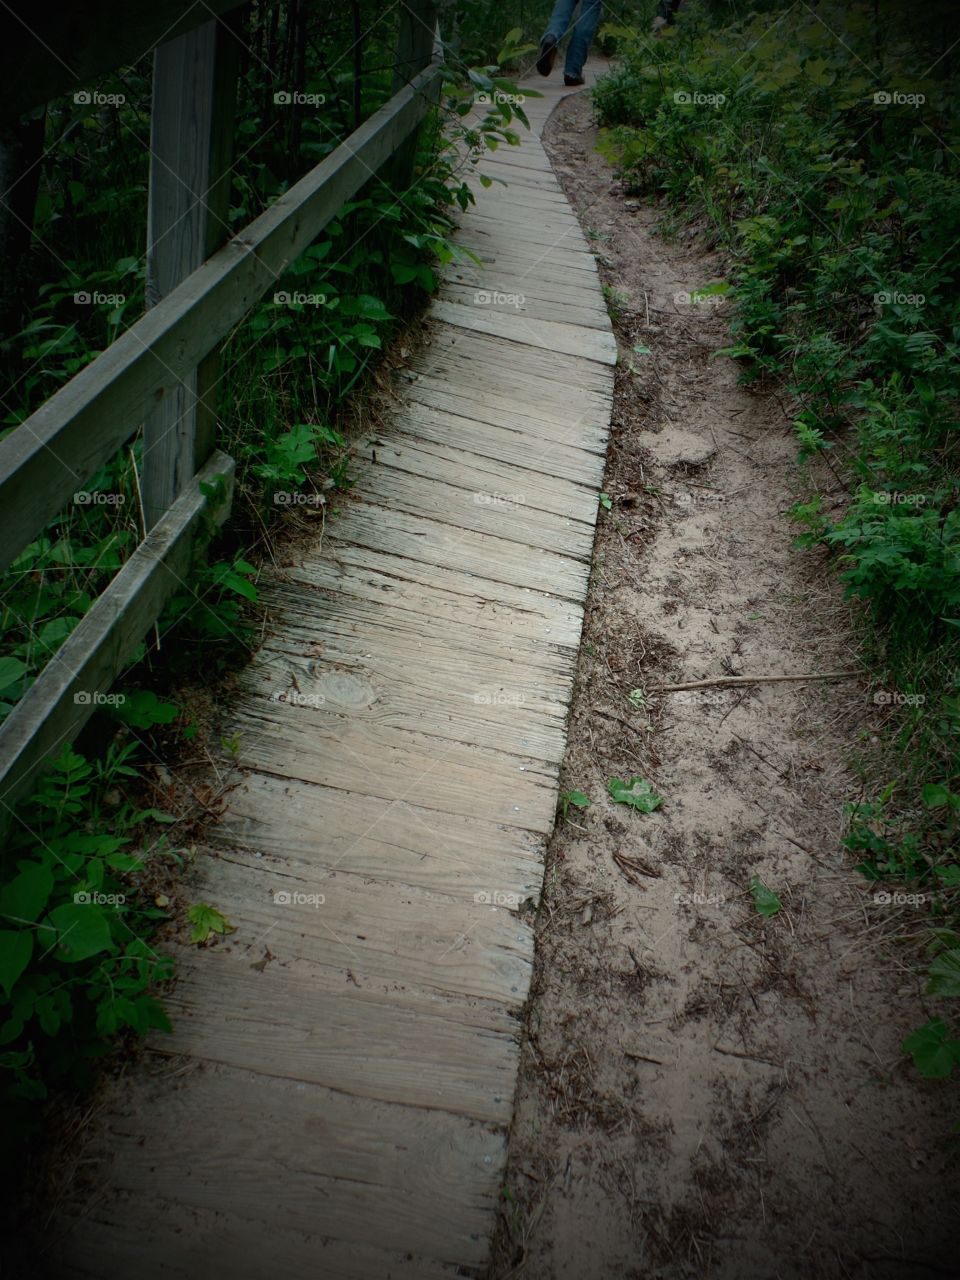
[705, 1092]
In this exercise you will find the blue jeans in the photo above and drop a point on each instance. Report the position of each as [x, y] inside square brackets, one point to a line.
[585, 29]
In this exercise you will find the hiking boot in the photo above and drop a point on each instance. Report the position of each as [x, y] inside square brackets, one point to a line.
[572, 81]
[548, 54]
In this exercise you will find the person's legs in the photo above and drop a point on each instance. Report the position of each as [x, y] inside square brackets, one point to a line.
[557, 27]
[588, 20]
[560, 19]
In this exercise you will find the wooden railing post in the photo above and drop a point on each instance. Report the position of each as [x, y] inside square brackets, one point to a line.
[191, 146]
[415, 49]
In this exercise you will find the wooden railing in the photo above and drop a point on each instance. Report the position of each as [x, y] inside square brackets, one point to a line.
[160, 373]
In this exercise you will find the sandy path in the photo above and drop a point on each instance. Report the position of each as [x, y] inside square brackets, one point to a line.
[705, 1092]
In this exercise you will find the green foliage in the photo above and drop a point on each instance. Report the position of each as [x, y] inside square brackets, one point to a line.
[764, 899]
[143, 709]
[207, 921]
[934, 1052]
[76, 965]
[575, 798]
[637, 793]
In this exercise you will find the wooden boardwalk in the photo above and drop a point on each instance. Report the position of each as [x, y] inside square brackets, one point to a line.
[335, 1098]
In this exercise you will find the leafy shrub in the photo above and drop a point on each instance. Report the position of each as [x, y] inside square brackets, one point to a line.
[76, 964]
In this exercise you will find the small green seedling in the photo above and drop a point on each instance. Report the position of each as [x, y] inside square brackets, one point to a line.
[575, 798]
[637, 793]
[944, 974]
[934, 1053]
[207, 920]
[765, 900]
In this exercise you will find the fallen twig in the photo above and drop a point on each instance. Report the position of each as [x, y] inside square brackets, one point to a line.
[749, 1057]
[736, 680]
[633, 868]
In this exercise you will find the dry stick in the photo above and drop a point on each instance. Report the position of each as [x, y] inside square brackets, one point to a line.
[750, 1057]
[735, 680]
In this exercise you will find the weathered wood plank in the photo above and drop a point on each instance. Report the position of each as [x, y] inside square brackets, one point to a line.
[518, 228]
[107, 1243]
[419, 769]
[504, 512]
[540, 283]
[511, 187]
[491, 700]
[535, 304]
[305, 1160]
[547, 335]
[520, 615]
[381, 935]
[524, 403]
[331, 625]
[434, 411]
[507, 278]
[489, 558]
[549, 380]
[543, 492]
[456, 1056]
[532, 258]
[286, 826]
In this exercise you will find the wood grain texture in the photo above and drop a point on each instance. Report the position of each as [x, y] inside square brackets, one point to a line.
[191, 146]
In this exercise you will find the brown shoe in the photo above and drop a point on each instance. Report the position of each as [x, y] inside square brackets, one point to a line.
[572, 81]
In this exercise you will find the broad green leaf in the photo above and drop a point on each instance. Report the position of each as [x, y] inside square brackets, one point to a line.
[933, 1053]
[240, 586]
[26, 895]
[945, 974]
[637, 793]
[16, 948]
[935, 795]
[83, 930]
[765, 900]
[11, 669]
[143, 709]
[207, 920]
